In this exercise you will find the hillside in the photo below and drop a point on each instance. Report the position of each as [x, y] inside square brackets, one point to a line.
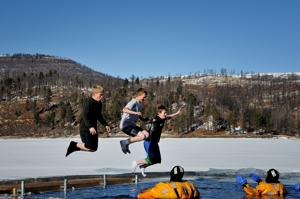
[43, 96]
[44, 63]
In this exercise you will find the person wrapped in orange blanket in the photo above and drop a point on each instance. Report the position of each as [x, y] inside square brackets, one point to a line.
[176, 188]
[270, 187]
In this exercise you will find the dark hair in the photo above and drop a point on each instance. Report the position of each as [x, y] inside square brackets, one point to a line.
[272, 176]
[161, 108]
[177, 174]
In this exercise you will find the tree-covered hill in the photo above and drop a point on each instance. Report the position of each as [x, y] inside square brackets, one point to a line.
[43, 95]
[27, 63]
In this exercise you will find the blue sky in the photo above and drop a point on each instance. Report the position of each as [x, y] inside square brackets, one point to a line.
[158, 37]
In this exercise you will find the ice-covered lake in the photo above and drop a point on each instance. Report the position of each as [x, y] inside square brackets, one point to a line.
[217, 160]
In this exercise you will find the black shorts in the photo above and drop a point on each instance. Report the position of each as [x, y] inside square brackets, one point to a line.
[90, 141]
[132, 130]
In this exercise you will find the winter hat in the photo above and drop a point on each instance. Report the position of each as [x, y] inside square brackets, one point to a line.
[272, 176]
[177, 174]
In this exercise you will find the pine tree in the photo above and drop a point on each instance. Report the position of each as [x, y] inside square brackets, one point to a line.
[37, 118]
[69, 112]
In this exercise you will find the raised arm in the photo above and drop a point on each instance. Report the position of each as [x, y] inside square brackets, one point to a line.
[174, 114]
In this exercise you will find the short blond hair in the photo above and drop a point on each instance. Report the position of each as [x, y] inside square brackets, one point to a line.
[97, 89]
[141, 91]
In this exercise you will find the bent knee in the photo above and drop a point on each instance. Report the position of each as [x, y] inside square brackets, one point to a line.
[146, 134]
[91, 148]
[142, 135]
[94, 149]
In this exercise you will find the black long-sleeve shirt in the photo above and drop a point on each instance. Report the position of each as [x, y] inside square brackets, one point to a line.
[90, 114]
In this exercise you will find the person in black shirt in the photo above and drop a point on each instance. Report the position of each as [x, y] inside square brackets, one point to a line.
[151, 143]
[88, 123]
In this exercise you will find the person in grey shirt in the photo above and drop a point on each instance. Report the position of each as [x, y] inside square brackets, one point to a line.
[130, 116]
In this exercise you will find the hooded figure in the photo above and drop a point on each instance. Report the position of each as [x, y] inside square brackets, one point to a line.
[176, 188]
[270, 187]
[272, 176]
[177, 174]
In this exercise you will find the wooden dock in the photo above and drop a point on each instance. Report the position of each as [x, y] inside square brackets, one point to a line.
[64, 183]
[40, 185]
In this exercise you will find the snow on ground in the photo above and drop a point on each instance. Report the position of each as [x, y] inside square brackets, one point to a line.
[31, 158]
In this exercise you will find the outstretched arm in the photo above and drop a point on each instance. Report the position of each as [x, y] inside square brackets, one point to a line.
[174, 114]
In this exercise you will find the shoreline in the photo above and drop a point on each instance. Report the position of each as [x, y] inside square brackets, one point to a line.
[164, 137]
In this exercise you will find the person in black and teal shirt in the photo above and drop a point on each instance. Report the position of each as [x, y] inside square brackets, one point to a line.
[88, 123]
[151, 143]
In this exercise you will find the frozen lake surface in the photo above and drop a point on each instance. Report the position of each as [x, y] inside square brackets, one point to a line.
[29, 158]
[216, 160]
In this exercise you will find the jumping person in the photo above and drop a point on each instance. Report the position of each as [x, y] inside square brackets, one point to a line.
[130, 116]
[175, 188]
[151, 144]
[270, 187]
[88, 123]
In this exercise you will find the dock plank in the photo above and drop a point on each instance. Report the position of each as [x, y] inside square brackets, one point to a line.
[56, 185]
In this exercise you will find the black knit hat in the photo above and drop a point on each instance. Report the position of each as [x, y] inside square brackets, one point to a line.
[272, 176]
[177, 174]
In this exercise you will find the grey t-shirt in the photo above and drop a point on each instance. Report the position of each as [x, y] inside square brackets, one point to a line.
[131, 119]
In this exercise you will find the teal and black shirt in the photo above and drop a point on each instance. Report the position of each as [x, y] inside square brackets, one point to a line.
[156, 129]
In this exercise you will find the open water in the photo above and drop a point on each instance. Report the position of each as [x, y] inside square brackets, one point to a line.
[212, 184]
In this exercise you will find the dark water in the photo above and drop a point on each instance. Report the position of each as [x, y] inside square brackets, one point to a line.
[213, 184]
[209, 188]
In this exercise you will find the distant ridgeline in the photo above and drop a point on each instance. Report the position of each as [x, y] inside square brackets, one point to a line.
[40, 70]
[27, 63]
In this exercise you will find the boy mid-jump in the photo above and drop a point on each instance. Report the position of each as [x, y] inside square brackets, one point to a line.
[151, 144]
[130, 116]
[88, 123]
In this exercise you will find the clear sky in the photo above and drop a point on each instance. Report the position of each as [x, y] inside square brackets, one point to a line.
[158, 37]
